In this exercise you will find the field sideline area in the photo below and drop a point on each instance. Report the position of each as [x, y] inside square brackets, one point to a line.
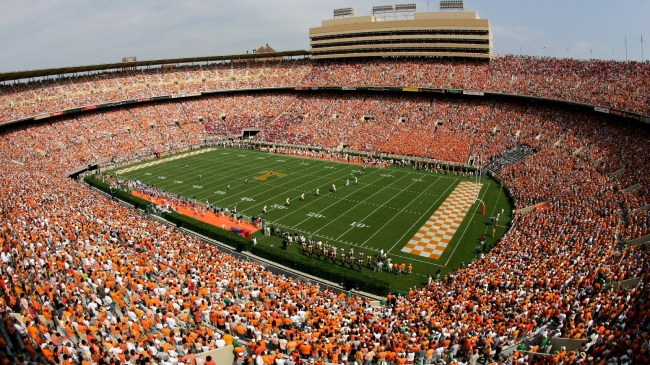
[385, 209]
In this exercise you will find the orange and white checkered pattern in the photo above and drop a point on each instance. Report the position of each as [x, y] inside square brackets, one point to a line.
[432, 239]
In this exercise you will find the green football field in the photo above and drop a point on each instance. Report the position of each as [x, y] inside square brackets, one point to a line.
[384, 209]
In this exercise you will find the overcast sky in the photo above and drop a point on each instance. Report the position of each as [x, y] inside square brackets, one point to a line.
[38, 34]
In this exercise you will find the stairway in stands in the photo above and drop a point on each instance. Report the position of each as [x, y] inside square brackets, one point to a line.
[510, 157]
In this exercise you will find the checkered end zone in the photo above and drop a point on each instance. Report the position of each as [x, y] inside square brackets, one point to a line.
[432, 239]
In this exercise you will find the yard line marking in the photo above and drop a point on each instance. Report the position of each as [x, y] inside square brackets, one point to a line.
[373, 204]
[378, 207]
[343, 214]
[329, 238]
[432, 239]
[403, 210]
[409, 191]
[180, 190]
[214, 176]
[163, 160]
[288, 182]
[444, 193]
[301, 175]
[323, 195]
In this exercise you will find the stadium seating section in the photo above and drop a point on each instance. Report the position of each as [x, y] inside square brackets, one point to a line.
[86, 278]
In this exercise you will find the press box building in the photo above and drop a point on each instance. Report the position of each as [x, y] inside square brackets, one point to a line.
[401, 31]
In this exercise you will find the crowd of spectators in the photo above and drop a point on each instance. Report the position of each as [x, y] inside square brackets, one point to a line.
[614, 84]
[86, 280]
[22, 100]
[622, 85]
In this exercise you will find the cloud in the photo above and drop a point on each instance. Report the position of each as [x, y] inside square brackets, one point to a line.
[518, 32]
[518, 39]
[52, 33]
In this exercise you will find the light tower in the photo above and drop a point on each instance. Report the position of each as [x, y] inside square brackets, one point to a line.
[343, 13]
[394, 12]
[452, 5]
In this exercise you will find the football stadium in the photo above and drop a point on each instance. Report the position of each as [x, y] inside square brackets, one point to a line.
[396, 194]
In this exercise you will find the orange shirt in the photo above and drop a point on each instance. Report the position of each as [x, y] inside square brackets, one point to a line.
[49, 355]
[305, 348]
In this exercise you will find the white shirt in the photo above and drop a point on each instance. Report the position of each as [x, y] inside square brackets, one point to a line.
[259, 360]
[171, 322]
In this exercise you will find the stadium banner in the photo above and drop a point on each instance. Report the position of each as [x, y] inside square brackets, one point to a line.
[380, 88]
[473, 92]
[313, 88]
[411, 89]
[24, 120]
[89, 107]
[616, 112]
[601, 109]
[73, 110]
[352, 88]
[454, 91]
[176, 96]
[116, 103]
[302, 88]
[430, 90]
[161, 97]
[330, 88]
[646, 120]
[42, 116]
[56, 114]
[193, 94]
[635, 116]
[143, 100]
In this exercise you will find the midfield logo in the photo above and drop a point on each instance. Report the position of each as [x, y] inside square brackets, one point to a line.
[268, 174]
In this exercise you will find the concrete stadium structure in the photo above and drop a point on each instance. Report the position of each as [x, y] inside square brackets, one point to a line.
[423, 34]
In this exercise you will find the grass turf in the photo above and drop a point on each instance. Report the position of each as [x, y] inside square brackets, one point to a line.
[382, 211]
